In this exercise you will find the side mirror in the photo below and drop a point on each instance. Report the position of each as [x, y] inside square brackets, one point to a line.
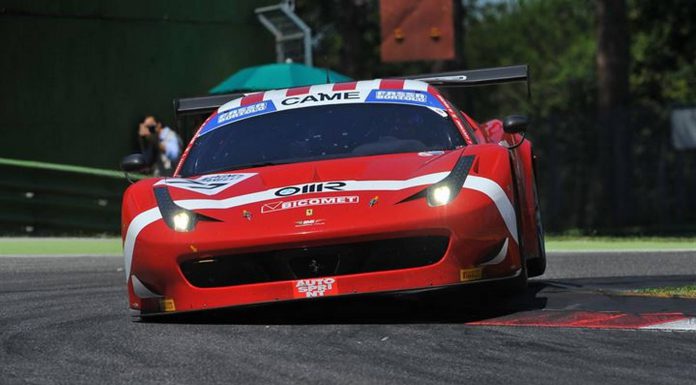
[133, 163]
[515, 124]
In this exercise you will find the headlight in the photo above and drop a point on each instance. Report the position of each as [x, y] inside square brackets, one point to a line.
[444, 191]
[182, 221]
[440, 195]
[176, 217]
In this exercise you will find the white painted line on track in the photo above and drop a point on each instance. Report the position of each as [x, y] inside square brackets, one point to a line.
[59, 239]
[618, 251]
[60, 255]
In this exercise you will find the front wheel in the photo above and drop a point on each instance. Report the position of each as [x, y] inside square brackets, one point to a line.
[518, 284]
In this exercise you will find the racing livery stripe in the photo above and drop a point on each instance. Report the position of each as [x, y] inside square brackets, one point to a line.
[455, 118]
[350, 86]
[134, 228]
[498, 196]
[363, 85]
[230, 105]
[297, 91]
[500, 257]
[251, 99]
[353, 185]
[141, 290]
[367, 84]
[326, 88]
[415, 85]
[483, 185]
[273, 94]
[391, 84]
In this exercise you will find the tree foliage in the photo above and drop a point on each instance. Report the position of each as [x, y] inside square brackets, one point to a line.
[663, 52]
[559, 41]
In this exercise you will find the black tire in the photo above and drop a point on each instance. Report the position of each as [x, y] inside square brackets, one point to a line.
[518, 284]
[537, 266]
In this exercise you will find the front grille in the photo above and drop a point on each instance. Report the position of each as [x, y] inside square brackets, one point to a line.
[313, 262]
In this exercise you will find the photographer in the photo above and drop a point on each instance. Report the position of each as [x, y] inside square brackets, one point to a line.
[160, 145]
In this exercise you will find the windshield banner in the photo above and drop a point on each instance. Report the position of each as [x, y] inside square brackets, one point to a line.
[239, 113]
[407, 96]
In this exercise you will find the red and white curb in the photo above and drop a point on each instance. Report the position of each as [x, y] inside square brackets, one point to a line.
[687, 323]
[595, 320]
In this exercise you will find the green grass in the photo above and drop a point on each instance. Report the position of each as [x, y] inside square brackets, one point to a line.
[569, 243]
[688, 291]
[55, 246]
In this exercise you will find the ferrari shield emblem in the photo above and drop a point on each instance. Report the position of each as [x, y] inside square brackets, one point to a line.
[309, 212]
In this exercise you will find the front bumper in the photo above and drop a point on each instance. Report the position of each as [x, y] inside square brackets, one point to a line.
[475, 230]
[162, 287]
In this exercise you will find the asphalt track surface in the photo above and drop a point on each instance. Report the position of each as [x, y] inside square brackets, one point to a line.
[64, 321]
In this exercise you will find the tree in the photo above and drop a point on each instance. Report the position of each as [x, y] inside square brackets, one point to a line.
[612, 103]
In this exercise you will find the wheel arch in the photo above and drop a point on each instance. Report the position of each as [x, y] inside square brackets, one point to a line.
[523, 169]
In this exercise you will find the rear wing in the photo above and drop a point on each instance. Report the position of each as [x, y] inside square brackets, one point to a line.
[202, 104]
[479, 77]
[468, 78]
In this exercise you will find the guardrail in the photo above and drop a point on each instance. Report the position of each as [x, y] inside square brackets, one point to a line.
[38, 198]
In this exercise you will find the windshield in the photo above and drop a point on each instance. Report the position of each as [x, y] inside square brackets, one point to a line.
[323, 132]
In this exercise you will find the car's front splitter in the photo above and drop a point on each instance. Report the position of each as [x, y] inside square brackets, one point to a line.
[484, 283]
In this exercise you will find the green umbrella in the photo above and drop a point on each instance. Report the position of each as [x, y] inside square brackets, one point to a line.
[278, 75]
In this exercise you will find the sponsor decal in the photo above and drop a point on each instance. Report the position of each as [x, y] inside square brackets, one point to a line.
[309, 222]
[242, 111]
[237, 114]
[420, 98]
[401, 95]
[318, 287]
[470, 274]
[273, 206]
[321, 97]
[206, 184]
[310, 188]
[318, 201]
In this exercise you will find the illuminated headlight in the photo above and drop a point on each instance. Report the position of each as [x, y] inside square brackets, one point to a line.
[444, 191]
[176, 217]
[182, 221]
[440, 195]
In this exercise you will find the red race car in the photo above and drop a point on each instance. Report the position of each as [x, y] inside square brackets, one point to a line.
[374, 186]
